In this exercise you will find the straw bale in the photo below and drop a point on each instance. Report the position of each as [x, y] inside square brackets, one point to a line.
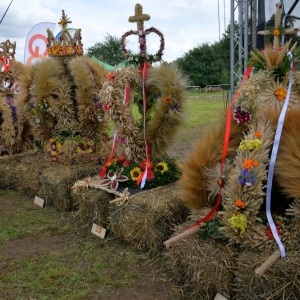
[93, 205]
[146, 220]
[27, 174]
[8, 166]
[281, 281]
[202, 268]
[56, 182]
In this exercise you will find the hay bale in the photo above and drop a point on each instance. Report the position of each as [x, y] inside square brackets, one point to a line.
[93, 205]
[8, 166]
[281, 281]
[147, 219]
[27, 174]
[201, 268]
[56, 182]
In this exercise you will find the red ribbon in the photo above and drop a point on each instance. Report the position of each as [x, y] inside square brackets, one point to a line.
[126, 95]
[143, 177]
[107, 164]
[225, 149]
[6, 64]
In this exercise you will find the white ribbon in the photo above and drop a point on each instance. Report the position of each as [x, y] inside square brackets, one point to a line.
[272, 166]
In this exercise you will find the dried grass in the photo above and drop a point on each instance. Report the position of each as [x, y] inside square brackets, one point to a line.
[147, 219]
[281, 281]
[93, 206]
[56, 182]
[202, 268]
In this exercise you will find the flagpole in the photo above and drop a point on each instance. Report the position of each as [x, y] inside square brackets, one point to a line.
[6, 11]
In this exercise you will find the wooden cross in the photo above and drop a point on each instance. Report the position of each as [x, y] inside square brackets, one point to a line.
[64, 21]
[139, 17]
[276, 32]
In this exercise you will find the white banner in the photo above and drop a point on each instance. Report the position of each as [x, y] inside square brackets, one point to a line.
[36, 42]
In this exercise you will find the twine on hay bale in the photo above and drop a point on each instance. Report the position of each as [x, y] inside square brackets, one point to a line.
[147, 218]
[202, 268]
[280, 281]
[93, 205]
[56, 182]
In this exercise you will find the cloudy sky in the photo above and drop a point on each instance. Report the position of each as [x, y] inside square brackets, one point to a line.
[184, 23]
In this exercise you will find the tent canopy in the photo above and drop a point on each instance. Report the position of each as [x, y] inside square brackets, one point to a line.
[107, 66]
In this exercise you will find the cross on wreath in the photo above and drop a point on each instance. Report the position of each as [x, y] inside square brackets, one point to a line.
[278, 30]
[139, 18]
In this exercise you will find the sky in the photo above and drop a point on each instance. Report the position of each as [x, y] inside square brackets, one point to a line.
[185, 24]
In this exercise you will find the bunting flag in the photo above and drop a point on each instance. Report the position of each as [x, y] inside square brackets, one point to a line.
[36, 42]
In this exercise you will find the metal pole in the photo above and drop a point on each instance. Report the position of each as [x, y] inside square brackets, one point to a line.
[232, 49]
[6, 11]
[246, 6]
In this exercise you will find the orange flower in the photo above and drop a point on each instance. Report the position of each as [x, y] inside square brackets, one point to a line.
[240, 203]
[257, 134]
[276, 32]
[144, 163]
[255, 163]
[111, 76]
[167, 99]
[248, 164]
[280, 94]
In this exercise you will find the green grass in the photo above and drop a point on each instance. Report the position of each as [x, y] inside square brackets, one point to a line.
[79, 266]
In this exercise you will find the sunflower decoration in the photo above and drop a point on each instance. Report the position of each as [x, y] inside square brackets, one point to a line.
[161, 167]
[135, 173]
[274, 95]
[159, 172]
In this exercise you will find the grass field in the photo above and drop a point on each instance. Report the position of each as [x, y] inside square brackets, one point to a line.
[46, 254]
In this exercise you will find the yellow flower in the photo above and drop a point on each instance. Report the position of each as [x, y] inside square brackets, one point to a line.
[52, 140]
[53, 153]
[135, 173]
[58, 145]
[47, 146]
[90, 150]
[79, 150]
[161, 167]
[238, 222]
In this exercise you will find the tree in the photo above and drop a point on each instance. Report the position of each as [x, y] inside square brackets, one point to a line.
[109, 51]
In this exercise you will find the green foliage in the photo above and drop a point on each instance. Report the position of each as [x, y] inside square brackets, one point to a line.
[109, 51]
[208, 64]
[210, 229]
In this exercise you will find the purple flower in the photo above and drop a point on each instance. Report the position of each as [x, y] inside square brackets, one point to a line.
[175, 107]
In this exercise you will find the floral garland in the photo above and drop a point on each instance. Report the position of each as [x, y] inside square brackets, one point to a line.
[84, 146]
[160, 172]
[138, 59]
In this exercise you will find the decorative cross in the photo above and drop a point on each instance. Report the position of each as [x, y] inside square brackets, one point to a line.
[139, 17]
[277, 30]
[64, 21]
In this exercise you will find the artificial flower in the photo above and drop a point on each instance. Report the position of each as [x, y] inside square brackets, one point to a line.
[113, 179]
[280, 94]
[241, 115]
[106, 107]
[248, 163]
[240, 203]
[150, 174]
[121, 158]
[161, 167]
[135, 173]
[111, 76]
[167, 99]
[144, 163]
[246, 178]
[126, 163]
[257, 134]
[250, 145]
[269, 233]
[238, 221]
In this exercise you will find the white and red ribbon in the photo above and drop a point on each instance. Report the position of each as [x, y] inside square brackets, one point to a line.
[6, 64]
